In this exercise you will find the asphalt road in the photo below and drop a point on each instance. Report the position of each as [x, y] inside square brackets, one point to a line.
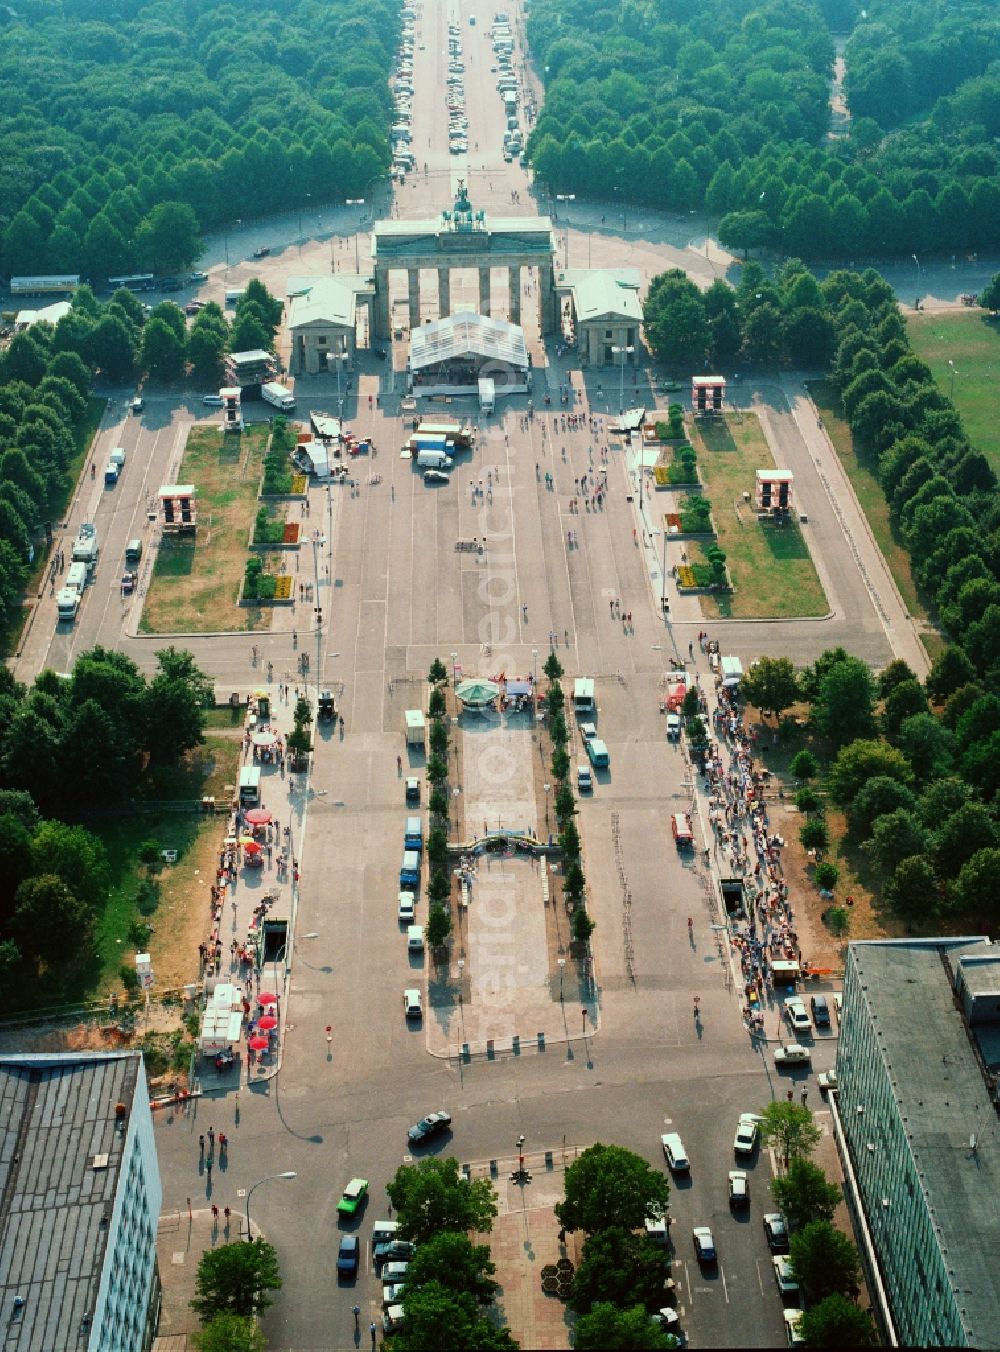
[397, 596]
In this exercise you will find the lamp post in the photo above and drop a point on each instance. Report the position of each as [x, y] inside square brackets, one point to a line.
[562, 969]
[289, 1173]
[339, 358]
[308, 196]
[548, 790]
[355, 202]
[534, 674]
[954, 373]
[454, 670]
[624, 352]
[663, 572]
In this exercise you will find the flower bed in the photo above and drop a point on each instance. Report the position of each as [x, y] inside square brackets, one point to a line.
[283, 587]
[299, 484]
[673, 522]
[291, 535]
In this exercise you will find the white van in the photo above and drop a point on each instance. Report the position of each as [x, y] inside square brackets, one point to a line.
[673, 1150]
[250, 786]
[433, 460]
[415, 938]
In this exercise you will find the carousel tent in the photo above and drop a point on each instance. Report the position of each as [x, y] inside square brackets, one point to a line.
[477, 693]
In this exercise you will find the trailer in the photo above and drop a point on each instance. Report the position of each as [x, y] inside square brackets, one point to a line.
[277, 396]
[415, 728]
[487, 394]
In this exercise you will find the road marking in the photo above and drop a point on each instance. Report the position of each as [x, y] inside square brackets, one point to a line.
[725, 1288]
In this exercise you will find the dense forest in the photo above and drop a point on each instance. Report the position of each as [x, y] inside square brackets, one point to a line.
[723, 106]
[127, 125]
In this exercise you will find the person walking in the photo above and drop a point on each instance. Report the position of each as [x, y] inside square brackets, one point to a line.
[372, 1330]
[357, 1315]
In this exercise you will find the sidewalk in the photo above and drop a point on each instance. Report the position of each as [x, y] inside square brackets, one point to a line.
[245, 948]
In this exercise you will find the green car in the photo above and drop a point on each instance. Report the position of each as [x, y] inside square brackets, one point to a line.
[354, 1194]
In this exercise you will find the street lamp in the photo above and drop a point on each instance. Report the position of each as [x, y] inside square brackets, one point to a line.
[954, 373]
[548, 790]
[663, 572]
[623, 352]
[454, 670]
[562, 968]
[339, 358]
[308, 196]
[289, 1173]
[355, 202]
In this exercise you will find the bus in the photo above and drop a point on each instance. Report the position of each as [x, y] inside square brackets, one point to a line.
[137, 281]
[63, 284]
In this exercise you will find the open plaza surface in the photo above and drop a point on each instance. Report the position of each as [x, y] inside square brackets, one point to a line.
[562, 1053]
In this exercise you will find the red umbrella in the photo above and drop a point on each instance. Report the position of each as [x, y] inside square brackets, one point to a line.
[267, 998]
[251, 847]
[267, 1021]
[258, 816]
[259, 1044]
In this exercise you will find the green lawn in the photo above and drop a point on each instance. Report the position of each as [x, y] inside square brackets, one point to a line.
[972, 342]
[196, 582]
[772, 573]
[859, 470]
[194, 836]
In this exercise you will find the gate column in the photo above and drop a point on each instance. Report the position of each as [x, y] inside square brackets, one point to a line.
[413, 295]
[484, 291]
[514, 282]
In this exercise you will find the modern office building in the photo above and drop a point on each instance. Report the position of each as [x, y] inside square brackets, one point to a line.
[80, 1203]
[916, 1122]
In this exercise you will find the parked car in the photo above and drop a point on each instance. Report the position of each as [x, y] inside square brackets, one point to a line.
[413, 790]
[776, 1232]
[347, 1256]
[784, 1275]
[739, 1188]
[428, 1126]
[673, 727]
[262, 252]
[212, 400]
[406, 907]
[826, 1080]
[795, 1013]
[792, 1054]
[746, 1134]
[674, 1152]
[353, 1197]
[412, 1007]
[820, 1011]
[704, 1244]
[198, 277]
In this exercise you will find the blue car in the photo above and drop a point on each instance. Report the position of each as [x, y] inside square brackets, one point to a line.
[347, 1256]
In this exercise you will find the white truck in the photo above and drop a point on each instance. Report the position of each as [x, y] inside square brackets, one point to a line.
[428, 459]
[487, 394]
[71, 593]
[85, 547]
[277, 396]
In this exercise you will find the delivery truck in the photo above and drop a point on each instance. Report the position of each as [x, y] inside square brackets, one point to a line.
[487, 394]
[433, 460]
[277, 396]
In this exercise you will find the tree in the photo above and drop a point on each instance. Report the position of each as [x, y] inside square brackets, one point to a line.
[46, 913]
[825, 1262]
[913, 890]
[863, 760]
[879, 796]
[608, 1185]
[174, 704]
[745, 230]
[553, 668]
[843, 709]
[894, 837]
[965, 832]
[168, 238]
[928, 745]
[904, 701]
[804, 1194]
[676, 325]
[438, 673]
[790, 1127]
[431, 1195]
[610, 1329]
[973, 890]
[206, 350]
[438, 926]
[229, 1333]
[583, 926]
[770, 685]
[75, 856]
[111, 347]
[837, 1322]
[814, 834]
[439, 1317]
[456, 1264]
[620, 1267]
[236, 1279]
[989, 297]
[162, 351]
[826, 875]
[804, 764]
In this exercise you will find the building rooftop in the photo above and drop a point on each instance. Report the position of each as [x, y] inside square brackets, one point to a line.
[467, 334]
[945, 1106]
[603, 291]
[50, 314]
[504, 235]
[326, 300]
[60, 1155]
